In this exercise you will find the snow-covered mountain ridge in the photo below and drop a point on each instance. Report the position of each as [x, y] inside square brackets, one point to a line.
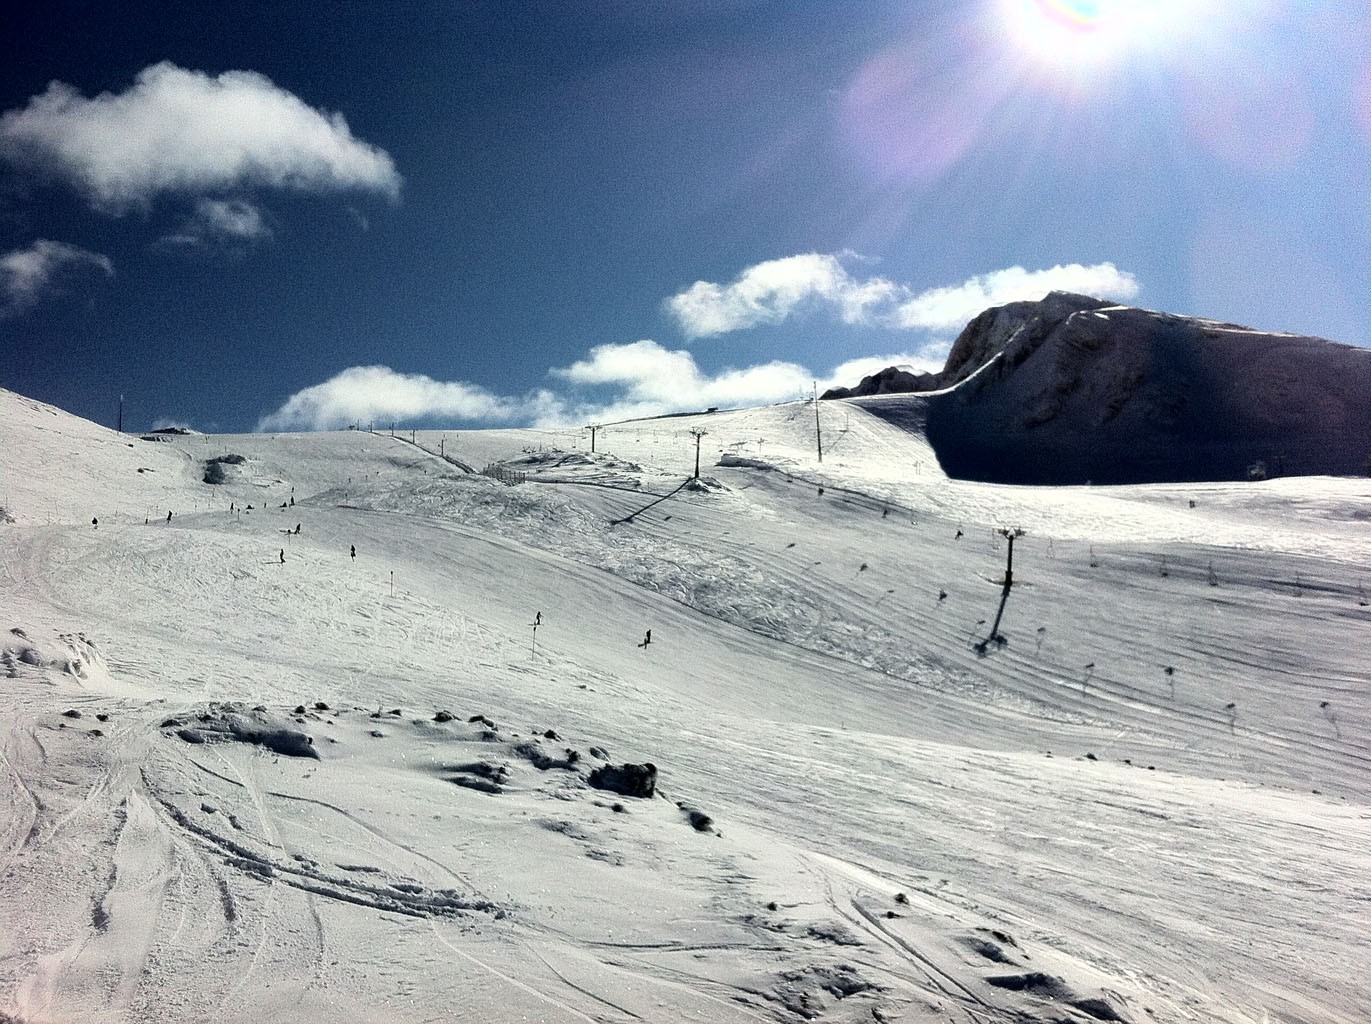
[1073, 390]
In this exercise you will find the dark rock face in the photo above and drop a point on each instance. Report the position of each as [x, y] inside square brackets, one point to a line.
[890, 381]
[638, 780]
[1073, 390]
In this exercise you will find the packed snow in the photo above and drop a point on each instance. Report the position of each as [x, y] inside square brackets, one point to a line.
[489, 726]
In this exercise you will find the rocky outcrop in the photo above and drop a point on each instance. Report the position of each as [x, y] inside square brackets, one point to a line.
[1073, 390]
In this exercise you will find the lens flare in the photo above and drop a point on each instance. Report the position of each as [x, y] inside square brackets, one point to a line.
[1082, 14]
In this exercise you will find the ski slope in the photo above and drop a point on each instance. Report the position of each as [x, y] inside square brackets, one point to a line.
[1135, 786]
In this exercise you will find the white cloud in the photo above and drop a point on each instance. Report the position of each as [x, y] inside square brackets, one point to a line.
[952, 307]
[176, 130]
[769, 292]
[613, 382]
[221, 223]
[652, 379]
[231, 218]
[379, 394]
[772, 291]
[26, 274]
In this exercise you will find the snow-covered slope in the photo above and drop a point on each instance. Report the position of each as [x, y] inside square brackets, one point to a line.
[311, 787]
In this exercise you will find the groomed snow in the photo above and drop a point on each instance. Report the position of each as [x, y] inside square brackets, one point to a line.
[1135, 786]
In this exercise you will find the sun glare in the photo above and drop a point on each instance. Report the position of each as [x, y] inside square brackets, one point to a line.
[1076, 38]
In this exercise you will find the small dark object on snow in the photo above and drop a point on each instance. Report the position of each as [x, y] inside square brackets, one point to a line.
[638, 780]
[1090, 757]
[551, 734]
[299, 709]
[901, 898]
[942, 595]
[320, 706]
[71, 713]
[699, 820]
[102, 717]
[97, 732]
[772, 906]
[444, 716]
[482, 719]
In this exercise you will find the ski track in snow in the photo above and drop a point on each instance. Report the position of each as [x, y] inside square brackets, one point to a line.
[1134, 784]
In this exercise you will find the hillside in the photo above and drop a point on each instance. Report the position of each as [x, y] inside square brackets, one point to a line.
[1073, 390]
[247, 775]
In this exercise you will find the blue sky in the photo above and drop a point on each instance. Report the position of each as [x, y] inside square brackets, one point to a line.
[288, 216]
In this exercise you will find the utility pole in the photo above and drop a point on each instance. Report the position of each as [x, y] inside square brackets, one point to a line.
[121, 414]
[442, 443]
[697, 434]
[1009, 562]
[592, 428]
[818, 433]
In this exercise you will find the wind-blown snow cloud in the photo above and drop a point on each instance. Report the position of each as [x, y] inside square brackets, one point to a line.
[772, 291]
[181, 131]
[378, 394]
[27, 274]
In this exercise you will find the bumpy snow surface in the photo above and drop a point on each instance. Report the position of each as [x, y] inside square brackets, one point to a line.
[245, 776]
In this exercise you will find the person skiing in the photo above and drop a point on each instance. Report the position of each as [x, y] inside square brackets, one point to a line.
[95, 523]
[283, 556]
[537, 619]
[168, 515]
[354, 551]
[297, 529]
[647, 639]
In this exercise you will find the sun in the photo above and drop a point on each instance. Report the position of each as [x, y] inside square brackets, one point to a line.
[1077, 39]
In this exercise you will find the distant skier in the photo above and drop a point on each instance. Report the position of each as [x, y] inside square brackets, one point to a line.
[959, 535]
[647, 639]
[95, 523]
[354, 551]
[292, 501]
[537, 619]
[283, 556]
[297, 529]
[168, 515]
[230, 508]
